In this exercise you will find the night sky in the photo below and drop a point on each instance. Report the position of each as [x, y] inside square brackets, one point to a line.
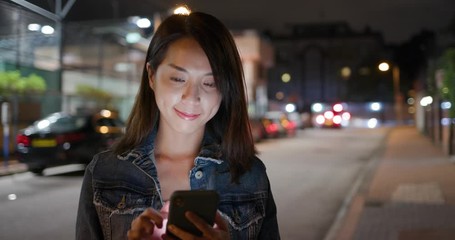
[396, 19]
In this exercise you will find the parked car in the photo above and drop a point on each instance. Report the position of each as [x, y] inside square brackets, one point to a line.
[272, 128]
[62, 138]
[284, 126]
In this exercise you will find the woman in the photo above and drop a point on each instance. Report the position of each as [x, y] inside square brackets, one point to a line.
[188, 129]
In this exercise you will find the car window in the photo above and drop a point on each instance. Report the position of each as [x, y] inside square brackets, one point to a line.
[60, 123]
[66, 124]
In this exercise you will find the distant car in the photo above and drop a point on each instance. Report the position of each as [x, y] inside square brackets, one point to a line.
[62, 138]
[336, 117]
[281, 123]
[272, 129]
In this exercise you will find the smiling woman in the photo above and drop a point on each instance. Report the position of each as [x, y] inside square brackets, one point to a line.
[188, 130]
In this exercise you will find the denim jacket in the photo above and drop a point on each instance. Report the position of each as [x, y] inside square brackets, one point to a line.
[117, 189]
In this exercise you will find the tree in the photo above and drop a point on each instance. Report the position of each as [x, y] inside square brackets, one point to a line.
[12, 82]
[447, 65]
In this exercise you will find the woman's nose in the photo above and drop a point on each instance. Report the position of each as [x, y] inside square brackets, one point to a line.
[191, 93]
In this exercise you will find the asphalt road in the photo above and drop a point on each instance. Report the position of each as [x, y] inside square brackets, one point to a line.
[311, 175]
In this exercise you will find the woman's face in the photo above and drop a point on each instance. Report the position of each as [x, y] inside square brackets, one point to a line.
[185, 89]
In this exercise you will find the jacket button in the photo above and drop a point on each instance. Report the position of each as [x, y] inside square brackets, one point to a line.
[198, 174]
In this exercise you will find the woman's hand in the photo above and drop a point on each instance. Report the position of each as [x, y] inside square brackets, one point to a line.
[219, 231]
[142, 227]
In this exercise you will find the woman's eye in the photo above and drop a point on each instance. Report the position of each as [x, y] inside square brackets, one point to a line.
[176, 79]
[210, 84]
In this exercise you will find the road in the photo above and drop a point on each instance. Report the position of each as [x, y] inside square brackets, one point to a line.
[311, 175]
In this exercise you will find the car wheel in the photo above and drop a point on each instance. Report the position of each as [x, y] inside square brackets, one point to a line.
[37, 170]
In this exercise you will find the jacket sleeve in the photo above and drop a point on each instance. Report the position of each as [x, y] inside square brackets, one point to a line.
[87, 223]
[269, 228]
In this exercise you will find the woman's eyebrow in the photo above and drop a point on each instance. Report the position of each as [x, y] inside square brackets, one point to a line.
[184, 70]
[177, 67]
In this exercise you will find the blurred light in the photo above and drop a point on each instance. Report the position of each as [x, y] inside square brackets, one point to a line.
[346, 116]
[12, 196]
[182, 10]
[43, 124]
[279, 95]
[286, 77]
[338, 107]
[411, 110]
[316, 107]
[34, 27]
[383, 67]
[320, 119]
[446, 105]
[346, 72]
[445, 90]
[290, 107]
[47, 30]
[66, 146]
[411, 101]
[372, 123]
[337, 119]
[106, 113]
[425, 101]
[104, 129]
[328, 114]
[133, 37]
[143, 23]
[445, 121]
[375, 107]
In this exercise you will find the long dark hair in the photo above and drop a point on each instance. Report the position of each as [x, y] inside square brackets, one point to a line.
[230, 126]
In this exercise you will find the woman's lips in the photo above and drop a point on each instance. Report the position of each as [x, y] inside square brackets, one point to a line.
[186, 116]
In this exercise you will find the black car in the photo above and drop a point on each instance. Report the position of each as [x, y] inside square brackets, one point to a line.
[62, 138]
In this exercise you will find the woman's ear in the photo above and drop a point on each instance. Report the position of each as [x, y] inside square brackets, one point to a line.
[150, 75]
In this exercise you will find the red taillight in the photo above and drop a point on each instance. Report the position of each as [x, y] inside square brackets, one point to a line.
[70, 137]
[271, 128]
[290, 125]
[23, 140]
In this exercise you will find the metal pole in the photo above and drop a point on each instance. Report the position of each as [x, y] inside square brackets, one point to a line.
[397, 95]
[5, 123]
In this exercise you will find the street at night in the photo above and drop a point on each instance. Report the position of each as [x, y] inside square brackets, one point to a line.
[312, 175]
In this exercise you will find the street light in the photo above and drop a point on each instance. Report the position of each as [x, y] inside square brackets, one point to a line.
[398, 98]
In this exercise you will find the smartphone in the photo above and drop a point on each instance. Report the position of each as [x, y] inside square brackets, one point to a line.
[203, 203]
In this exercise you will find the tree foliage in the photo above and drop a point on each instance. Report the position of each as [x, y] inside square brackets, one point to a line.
[12, 82]
[448, 82]
[92, 92]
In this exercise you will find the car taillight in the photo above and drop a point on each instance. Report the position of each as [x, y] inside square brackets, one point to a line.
[271, 128]
[23, 140]
[70, 137]
[291, 125]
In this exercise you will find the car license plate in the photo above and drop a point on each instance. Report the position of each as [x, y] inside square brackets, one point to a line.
[44, 143]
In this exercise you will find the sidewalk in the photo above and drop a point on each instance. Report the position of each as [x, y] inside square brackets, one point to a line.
[14, 166]
[410, 194]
